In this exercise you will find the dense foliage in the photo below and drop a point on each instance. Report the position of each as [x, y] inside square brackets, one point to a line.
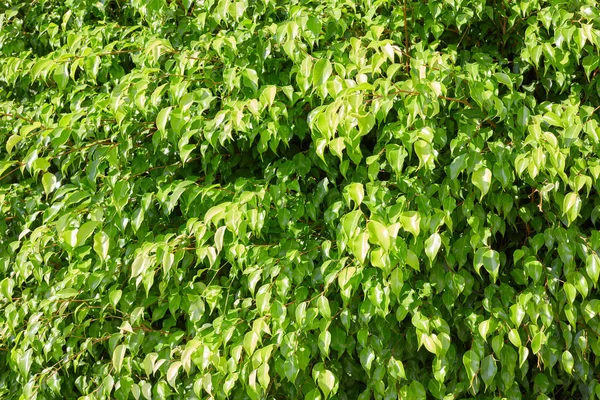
[299, 199]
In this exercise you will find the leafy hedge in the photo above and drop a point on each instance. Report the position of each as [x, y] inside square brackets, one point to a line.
[299, 199]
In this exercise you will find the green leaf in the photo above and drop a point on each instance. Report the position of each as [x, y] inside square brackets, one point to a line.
[85, 231]
[534, 269]
[395, 156]
[324, 342]
[482, 179]
[101, 244]
[523, 117]
[314, 394]
[378, 234]
[25, 360]
[590, 63]
[360, 246]
[471, 362]
[504, 79]
[592, 267]
[488, 370]
[411, 221]
[537, 342]
[417, 391]
[40, 164]
[67, 293]
[491, 262]
[327, 382]
[118, 356]
[61, 75]
[424, 152]
[262, 375]
[356, 193]
[321, 72]
[49, 182]
[567, 361]
[514, 337]
[396, 369]
[12, 141]
[162, 118]
[323, 306]
[350, 223]
[172, 373]
[432, 246]
[114, 296]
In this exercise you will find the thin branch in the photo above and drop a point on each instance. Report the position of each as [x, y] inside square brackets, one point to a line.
[21, 117]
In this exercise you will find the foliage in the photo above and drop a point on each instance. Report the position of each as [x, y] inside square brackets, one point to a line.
[332, 199]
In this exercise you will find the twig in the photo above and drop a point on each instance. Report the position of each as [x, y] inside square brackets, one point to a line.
[21, 118]
[9, 172]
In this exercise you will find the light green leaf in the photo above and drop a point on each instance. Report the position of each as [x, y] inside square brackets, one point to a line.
[67, 293]
[396, 369]
[172, 373]
[85, 231]
[356, 193]
[395, 156]
[25, 360]
[149, 363]
[290, 368]
[321, 72]
[504, 78]
[49, 182]
[114, 296]
[378, 234]
[471, 362]
[592, 267]
[350, 222]
[327, 382]
[250, 342]
[432, 245]
[323, 307]
[514, 337]
[567, 361]
[360, 246]
[70, 237]
[140, 265]
[412, 259]
[162, 119]
[101, 244]
[219, 235]
[411, 221]
[491, 262]
[118, 356]
[262, 374]
[267, 97]
[61, 75]
[12, 141]
[324, 342]
[536, 343]
[482, 179]
[424, 152]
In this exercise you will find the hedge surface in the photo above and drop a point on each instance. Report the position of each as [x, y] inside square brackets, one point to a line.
[268, 199]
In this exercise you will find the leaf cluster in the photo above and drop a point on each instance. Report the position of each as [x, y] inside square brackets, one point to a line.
[338, 199]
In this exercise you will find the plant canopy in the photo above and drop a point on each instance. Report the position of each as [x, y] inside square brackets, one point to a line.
[268, 199]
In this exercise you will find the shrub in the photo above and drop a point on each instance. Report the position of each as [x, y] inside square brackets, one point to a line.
[299, 199]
